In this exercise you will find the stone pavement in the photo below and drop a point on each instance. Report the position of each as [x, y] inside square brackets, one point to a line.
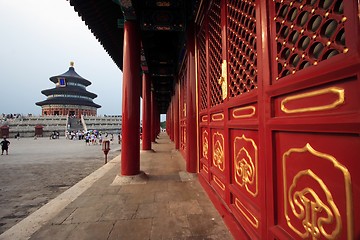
[36, 171]
[164, 202]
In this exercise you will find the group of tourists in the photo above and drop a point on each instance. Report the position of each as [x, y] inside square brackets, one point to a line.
[74, 135]
[92, 137]
[55, 135]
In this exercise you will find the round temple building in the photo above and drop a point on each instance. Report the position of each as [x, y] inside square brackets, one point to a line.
[69, 96]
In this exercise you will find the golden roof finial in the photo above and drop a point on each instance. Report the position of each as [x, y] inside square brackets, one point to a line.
[71, 64]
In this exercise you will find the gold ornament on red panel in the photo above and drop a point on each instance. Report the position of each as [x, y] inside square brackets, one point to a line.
[218, 151]
[205, 141]
[309, 206]
[246, 164]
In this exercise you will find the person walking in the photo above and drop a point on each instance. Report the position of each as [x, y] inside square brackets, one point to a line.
[4, 146]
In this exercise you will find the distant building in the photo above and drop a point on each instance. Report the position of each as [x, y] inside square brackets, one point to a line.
[69, 96]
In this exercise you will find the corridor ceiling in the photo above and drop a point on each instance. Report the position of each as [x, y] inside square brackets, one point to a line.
[163, 30]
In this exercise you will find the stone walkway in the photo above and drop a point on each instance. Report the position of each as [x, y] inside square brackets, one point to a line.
[164, 202]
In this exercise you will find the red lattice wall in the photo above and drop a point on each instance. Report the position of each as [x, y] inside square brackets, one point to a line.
[242, 55]
[215, 51]
[279, 116]
[307, 32]
[203, 97]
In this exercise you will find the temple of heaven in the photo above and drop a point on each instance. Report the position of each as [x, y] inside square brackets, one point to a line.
[69, 96]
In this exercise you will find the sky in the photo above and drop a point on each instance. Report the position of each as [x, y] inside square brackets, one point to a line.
[39, 39]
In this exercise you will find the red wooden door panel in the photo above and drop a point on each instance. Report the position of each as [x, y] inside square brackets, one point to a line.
[314, 119]
[218, 166]
[313, 123]
[244, 182]
[228, 110]
[279, 125]
[313, 184]
[204, 151]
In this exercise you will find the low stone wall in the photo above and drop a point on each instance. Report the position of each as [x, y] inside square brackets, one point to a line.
[109, 124]
[25, 126]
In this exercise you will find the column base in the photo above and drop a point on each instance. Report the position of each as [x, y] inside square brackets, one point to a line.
[147, 151]
[140, 178]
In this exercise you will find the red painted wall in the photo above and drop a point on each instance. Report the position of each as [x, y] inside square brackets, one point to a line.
[279, 116]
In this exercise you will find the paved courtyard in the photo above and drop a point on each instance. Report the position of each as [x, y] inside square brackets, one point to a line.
[36, 171]
[162, 202]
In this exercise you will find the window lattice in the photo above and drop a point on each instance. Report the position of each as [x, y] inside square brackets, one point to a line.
[202, 69]
[242, 56]
[215, 50]
[308, 32]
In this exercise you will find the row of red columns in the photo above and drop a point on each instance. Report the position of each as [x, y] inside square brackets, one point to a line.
[130, 153]
[151, 115]
[173, 117]
[130, 148]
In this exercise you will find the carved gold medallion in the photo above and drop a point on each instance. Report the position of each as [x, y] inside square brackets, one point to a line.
[309, 205]
[205, 144]
[246, 164]
[218, 151]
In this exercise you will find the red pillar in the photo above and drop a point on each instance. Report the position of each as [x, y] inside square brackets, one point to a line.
[171, 121]
[146, 121]
[168, 121]
[152, 116]
[176, 117]
[157, 120]
[191, 123]
[130, 149]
